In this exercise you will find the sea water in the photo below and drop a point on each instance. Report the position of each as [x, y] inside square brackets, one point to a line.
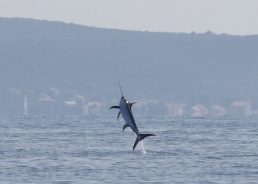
[74, 149]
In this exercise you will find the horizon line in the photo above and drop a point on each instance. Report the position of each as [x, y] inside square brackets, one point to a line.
[129, 30]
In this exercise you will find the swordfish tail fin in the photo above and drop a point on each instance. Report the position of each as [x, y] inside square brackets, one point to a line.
[141, 137]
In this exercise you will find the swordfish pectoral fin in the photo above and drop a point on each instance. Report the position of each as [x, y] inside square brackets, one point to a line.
[141, 137]
[115, 107]
[118, 115]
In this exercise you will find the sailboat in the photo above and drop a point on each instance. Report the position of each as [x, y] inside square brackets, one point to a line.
[25, 106]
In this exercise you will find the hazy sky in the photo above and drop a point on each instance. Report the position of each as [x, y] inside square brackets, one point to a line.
[220, 16]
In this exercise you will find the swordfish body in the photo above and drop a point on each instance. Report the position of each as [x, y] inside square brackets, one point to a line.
[125, 109]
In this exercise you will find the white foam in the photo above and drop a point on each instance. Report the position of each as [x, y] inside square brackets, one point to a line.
[143, 149]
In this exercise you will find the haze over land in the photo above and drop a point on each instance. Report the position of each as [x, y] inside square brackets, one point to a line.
[73, 69]
[220, 16]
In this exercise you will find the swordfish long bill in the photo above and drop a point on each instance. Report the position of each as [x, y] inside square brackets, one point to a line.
[125, 109]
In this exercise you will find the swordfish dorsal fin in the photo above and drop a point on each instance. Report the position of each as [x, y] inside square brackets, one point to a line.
[131, 104]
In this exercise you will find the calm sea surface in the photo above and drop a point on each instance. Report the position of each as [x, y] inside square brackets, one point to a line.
[96, 150]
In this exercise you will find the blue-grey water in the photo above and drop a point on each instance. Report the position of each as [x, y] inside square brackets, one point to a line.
[96, 150]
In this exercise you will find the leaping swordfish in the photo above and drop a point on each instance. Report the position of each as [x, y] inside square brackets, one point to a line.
[125, 109]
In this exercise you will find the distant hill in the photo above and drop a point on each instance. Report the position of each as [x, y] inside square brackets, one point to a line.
[62, 68]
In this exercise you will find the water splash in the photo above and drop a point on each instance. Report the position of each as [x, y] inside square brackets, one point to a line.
[143, 149]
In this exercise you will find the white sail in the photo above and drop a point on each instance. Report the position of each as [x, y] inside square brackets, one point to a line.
[25, 106]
